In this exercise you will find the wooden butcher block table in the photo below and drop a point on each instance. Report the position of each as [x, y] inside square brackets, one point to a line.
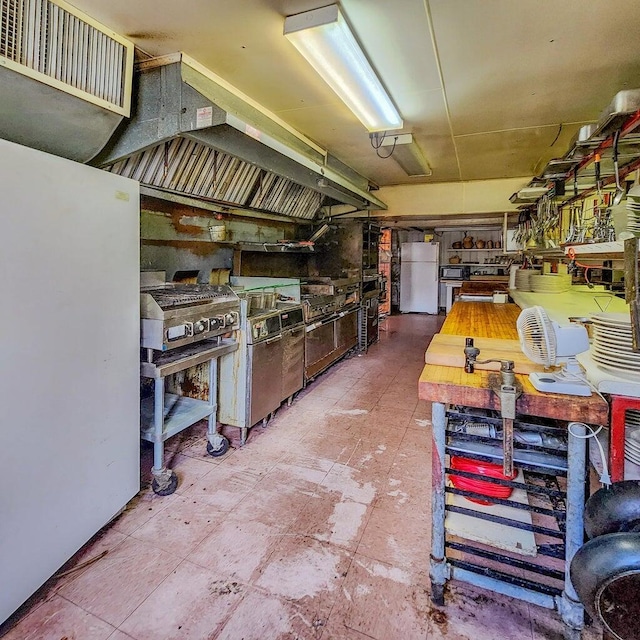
[445, 383]
[479, 287]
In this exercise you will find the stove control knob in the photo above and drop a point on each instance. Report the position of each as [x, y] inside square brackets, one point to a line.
[199, 327]
[216, 323]
[229, 319]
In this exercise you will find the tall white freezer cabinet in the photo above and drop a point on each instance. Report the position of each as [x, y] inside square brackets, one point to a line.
[419, 277]
[69, 361]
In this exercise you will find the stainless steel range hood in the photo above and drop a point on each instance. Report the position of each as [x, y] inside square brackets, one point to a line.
[193, 134]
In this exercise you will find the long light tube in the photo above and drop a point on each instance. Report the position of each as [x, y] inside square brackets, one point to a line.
[407, 154]
[323, 37]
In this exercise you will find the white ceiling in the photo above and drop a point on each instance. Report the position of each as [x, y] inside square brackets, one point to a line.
[489, 88]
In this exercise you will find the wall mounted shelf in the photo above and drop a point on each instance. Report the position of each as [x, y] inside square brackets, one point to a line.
[473, 250]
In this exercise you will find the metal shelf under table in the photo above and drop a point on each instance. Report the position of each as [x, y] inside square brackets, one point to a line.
[179, 413]
[165, 414]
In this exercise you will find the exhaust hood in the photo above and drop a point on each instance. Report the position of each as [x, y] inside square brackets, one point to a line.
[195, 135]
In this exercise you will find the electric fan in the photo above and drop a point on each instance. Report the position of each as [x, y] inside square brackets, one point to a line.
[547, 343]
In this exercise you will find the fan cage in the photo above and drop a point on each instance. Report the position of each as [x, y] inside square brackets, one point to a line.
[537, 337]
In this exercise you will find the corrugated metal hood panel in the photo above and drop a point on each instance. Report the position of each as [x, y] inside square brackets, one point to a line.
[185, 166]
[191, 135]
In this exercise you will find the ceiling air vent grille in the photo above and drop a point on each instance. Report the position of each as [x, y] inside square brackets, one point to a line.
[188, 167]
[56, 44]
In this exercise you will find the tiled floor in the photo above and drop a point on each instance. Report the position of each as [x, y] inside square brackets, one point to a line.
[317, 528]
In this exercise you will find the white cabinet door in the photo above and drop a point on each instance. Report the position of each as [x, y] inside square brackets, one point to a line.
[419, 287]
[69, 354]
[419, 252]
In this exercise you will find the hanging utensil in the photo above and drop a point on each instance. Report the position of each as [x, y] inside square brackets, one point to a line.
[596, 164]
[571, 232]
[620, 192]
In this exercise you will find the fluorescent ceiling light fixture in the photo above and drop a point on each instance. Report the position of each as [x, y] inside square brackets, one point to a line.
[323, 37]
[407, 154]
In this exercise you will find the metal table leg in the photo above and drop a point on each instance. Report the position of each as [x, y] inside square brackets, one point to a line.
[569, 606]
[158, 426]
[439, 570]
[217, 444]
[164, 481]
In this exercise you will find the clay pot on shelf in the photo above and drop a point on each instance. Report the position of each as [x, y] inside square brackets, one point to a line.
[467, 243]
[480, 244]
[489, 244]
[455, 260]
[456, 245]
[497, 244]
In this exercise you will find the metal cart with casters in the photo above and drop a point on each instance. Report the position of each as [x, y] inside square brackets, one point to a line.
[182, 326]
[166, 414]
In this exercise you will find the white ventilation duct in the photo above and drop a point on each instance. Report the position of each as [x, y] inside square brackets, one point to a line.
[65, 80]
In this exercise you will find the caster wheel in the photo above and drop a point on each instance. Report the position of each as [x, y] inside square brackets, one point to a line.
[168, 489]
[216, 453]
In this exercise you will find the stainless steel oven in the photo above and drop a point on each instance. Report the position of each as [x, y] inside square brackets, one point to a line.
[293, 339]
[251, 377]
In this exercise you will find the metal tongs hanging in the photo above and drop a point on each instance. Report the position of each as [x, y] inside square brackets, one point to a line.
[632, 287]
[596, 166]
[620, 192]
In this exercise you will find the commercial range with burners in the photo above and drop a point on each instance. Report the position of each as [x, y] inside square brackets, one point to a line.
[182, 326]
[332, 308]
[266, 369]
[175, 315]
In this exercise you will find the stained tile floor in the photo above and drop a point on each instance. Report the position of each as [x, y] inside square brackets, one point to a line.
[317, 528]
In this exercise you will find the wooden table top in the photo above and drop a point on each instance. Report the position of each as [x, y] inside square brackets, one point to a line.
[451, 385]
[482, 320]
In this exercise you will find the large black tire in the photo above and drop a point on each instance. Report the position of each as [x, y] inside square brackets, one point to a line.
[606, 575]
[612, 509]
[216, 453]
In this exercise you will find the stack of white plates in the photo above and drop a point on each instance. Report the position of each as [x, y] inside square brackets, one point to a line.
[612, 347]
[633, 212]
[632, 437]
[550, 283]
[522, 279]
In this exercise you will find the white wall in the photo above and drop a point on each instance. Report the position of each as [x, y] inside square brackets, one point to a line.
[446, 199]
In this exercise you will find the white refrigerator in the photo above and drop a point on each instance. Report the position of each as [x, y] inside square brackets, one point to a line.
[419, 277]
[69, 361]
